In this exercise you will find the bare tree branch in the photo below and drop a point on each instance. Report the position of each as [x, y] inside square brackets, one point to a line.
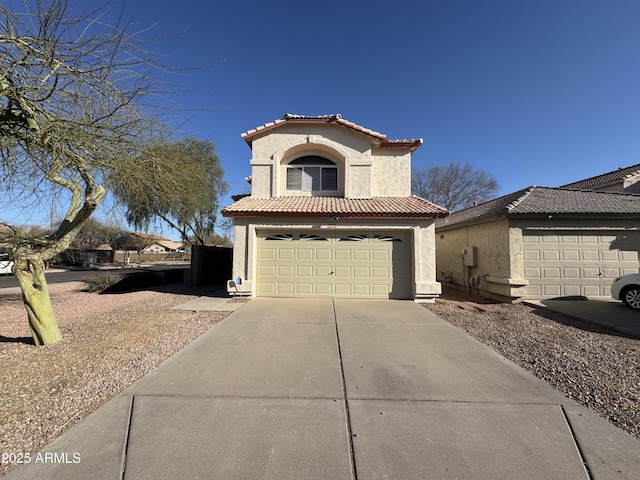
[454, 186]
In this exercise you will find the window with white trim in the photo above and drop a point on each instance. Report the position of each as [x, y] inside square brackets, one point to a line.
[312, 173]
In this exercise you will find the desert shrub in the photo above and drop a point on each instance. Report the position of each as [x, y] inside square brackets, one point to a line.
[103, 281]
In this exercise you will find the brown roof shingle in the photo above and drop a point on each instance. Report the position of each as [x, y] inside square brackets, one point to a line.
[299, 206]
[550, 201]
[605, 178]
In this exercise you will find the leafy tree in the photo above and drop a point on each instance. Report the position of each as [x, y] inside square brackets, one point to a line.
[70, 86]
[454, 186]
[95, 233]
[177, 181]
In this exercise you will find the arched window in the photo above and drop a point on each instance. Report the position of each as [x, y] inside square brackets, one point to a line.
[312, 173]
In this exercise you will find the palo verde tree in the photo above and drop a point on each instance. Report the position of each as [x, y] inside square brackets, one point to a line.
[178, 181]
[453, 186]
[70, 84]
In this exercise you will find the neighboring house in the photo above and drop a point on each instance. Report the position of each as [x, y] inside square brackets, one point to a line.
[148, 243]
[621, 180]
[541, 243]
[331, 214]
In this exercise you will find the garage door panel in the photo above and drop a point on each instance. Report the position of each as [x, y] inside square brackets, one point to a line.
[304, 254]
[532, 272]
[591, 272]
[285, 270]
[338, 264]
[267, 271]
[610, 273]
[265, 288]
[361, 255]
[551, 290]
[323, 254]
[571, 273]
[592, 291]
[380, 272]
[581, 263]
[362, 290]
[284, 288]
[611, 256]
[361, 272]
[323, 289]
[572, 291]
[553, 272]
[304, 271]
[286, 253]
[267, 253]
[304, 288]
[571, 255]
[343, 255]
[590, 255]
[382, 255]
[380, 290]
[342, 271]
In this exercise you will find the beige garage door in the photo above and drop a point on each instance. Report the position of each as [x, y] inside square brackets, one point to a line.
[334, 264]
[570, 263]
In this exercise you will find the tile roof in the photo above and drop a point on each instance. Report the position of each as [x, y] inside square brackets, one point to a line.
[380, 138]
[549, 201]
[605, 178]
[409, 207]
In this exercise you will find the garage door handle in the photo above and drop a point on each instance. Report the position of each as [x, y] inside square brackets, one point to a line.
[330, 273]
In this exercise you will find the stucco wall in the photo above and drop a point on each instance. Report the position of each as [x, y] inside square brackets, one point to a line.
[279, 147]
[499, 271]
[363, 171]
[391, 173]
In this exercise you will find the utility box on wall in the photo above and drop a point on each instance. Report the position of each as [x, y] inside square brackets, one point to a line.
[470, 254]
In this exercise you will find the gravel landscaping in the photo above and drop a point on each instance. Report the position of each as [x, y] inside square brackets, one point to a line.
[109, 341]
[595, 366]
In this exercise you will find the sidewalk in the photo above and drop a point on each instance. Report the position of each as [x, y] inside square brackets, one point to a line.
[338, 389]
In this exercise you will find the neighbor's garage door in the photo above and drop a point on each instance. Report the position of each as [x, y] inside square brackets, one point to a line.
[583, 263]
[334, 264]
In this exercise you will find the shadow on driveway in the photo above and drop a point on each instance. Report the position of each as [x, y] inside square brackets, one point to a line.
[602, 316]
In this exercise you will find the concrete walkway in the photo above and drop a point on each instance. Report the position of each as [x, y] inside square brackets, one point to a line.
[338, 389]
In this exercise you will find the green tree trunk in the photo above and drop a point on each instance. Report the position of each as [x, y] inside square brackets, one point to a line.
[29, 273]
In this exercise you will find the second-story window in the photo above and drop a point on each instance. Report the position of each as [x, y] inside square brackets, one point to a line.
[312, 174]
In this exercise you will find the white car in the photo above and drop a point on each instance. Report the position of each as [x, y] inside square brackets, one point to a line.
[627, 289]
[5, 267]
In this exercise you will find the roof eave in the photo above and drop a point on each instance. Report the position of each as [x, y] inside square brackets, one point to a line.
[421, 216]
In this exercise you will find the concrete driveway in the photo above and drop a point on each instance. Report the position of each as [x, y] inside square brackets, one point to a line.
[339, 389]
[608, 313]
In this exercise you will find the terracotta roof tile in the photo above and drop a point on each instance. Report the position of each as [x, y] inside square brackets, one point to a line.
[411, 207]
[333, 118]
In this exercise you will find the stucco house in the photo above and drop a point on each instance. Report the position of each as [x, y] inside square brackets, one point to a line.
[331, 214]
[542, 242]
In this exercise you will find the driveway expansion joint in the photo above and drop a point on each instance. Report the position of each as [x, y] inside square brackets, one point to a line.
[345, 403]
[577, 444]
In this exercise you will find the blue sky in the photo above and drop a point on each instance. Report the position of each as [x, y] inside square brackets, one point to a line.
[537, 93]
